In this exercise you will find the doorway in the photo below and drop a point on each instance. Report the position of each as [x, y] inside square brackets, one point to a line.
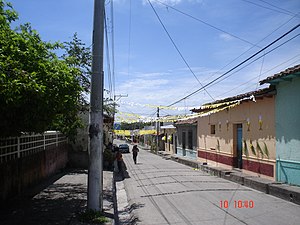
[239, 145]
[176, 141]
[183, 143]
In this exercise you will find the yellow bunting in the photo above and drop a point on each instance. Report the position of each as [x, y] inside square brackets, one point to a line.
[134, 132]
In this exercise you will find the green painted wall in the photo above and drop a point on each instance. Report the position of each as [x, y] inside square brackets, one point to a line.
[287, 114]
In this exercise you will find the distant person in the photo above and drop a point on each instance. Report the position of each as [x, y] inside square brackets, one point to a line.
[119, 159]
[135, 151]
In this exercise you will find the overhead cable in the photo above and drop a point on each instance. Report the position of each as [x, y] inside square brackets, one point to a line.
[254, 78]
[273, 49]
[177, 49]
[206, 23]
[279, 11]
[253, 46]
[294, 14]
[129, 40]
[108, 57]
[235, 67]
[113, 48]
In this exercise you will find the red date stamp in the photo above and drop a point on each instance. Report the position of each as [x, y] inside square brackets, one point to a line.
[238, 204]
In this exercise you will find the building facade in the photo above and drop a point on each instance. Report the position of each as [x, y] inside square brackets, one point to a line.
[186, 138]
[287, 117]
[239, 132]
[169, 137]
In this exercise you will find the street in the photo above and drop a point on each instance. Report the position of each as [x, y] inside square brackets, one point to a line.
[166, 192]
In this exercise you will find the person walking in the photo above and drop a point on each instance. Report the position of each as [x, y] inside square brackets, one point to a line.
[135, 151]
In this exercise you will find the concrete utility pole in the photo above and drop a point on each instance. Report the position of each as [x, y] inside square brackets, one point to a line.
[157, 131]
[95, 176]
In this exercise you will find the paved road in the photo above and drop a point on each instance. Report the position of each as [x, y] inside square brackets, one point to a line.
[165, 192]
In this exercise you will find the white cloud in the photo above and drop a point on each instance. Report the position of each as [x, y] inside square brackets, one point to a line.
[226, 37]
[171, 2]
[168, 2]
[140, 84]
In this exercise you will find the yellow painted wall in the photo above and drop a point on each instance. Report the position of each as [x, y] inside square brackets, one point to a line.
[225, 120]
[168, 146]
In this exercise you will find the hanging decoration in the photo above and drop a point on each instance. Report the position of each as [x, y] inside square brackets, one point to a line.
[208, 110]
[260, 122]
[227, 125]
[248, 124]
[155, 106]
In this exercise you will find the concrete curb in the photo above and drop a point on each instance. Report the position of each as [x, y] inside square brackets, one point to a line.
[283, 191]
[116, 216]
[124, 210]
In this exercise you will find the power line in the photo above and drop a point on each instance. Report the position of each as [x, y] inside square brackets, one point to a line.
[279, 11]
[257, 59]
[253, 46]
[206, 23]
[278, 7]
[254, 78]
[129, 39]
[262, 64]
[246, 60]
[177, 49]
[113, 48]
[108, 56]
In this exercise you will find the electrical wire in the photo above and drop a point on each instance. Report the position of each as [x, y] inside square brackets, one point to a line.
[278, 7]
[108, 56]
[262, 64]
[235, 67]
[129, 39]
[254, 78]
[208, 24]
[279, 11]
[178, 51]
[257, 59]
[252, 47]
[113, 48]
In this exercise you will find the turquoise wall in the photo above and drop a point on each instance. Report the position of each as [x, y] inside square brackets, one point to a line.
[190, 153]
[287, 113]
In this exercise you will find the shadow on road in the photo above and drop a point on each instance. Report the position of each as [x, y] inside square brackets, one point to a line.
[122, 174]
[52, 203]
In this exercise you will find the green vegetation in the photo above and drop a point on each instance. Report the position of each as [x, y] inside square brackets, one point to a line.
[134, 126]
[91, 216]
[39, 91]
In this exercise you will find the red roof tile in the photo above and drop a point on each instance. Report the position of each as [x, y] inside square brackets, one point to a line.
[289, 71]
[265, 92]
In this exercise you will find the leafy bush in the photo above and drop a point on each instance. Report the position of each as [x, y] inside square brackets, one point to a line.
[92, 216]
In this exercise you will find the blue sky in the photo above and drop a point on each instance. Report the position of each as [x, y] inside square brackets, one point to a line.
[147, 65]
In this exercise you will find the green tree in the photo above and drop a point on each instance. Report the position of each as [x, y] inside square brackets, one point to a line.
[78, 56]
[38, 91]
[135, 125]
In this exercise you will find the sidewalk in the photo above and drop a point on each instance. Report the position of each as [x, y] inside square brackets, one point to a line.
[57, 201]
[125, 208]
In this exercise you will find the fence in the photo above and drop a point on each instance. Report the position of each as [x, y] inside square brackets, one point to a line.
[17, 147]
